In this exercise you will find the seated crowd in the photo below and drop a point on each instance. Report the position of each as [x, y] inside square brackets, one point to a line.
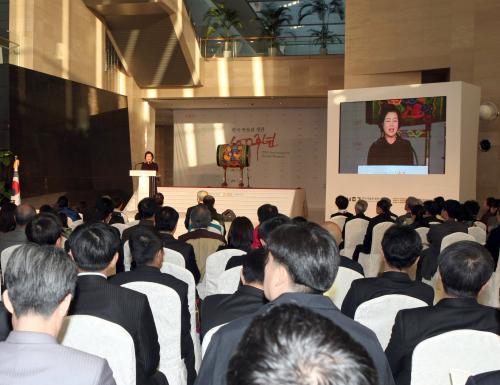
[283, 321]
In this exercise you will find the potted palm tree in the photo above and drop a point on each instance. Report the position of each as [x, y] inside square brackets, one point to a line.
[323, 9]
[273, 19]
[220, 20]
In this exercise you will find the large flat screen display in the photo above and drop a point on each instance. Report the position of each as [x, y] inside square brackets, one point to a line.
[393, 136]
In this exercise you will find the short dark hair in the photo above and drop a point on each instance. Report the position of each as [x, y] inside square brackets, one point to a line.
[401, 245]
[150, 153]
[471, 209]
[93, 245]
[292, 345]
[254, 263]
[147, 208]
[166, 219]
[7, 217]
[453, 208]
[200, 217]
[240, 235]
[159, 199]
[384, 205]
[144, 245]
[106, 205]
[490, 201]
[465, 267]
[38, 278]
[47, 209]
[431, 207]
[309, 253]
[440, 203]
[62, 201]
[94, 215]
[384, 110]
[209, 201]
[266, 227]
[266, 211]
[341, 202]
[44, 229]
[24, 213]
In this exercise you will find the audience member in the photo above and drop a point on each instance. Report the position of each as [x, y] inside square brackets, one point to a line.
[293, 345]
[301, 265]
[439, 200]
[166, 219]
[116, 215]
[159, 199]
[217, 222]
[23, 214]
[62, 205]
[240, 235]
[335, 232]
[359, 209]
[432, 210]
[401, 246]
[264, 212]
[383, 215]
[418, 217]
[45, 229]
[94, 248]
[199, 198]
[493, 241]
[107, 206]
[147, 251]
[427, 265]
[471, 210]
[7, 214]
[147, 208]
[342, 202]
[5, 322]
[94, 214]
[66, 230]
[407, 219]
[488, 378]
[464, 267]
[490, 208]
[40, 283]
[389, 203]
[47, 209]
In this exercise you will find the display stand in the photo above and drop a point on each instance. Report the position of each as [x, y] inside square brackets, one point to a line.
[142, 190]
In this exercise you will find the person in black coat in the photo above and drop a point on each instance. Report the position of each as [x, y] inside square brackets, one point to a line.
[94, 248]
[199, 197]
[401, 246]
[301, 265]
[166, 219]
[147, 252]
[488, 378]
[342, 203]
[465, 267]
[218, 309]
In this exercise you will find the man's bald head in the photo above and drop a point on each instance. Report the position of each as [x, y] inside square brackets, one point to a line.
[24, 214]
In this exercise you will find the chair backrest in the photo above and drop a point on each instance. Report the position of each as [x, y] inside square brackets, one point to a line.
[73, 225]
[208, 338]
[133, 223]
[481, 225]
[174, 257]
[339, 220]
[187, 277]
[342, 284]
[355, 231]
[166, 307]
[422, 232]
[378, 314]
[120, 226]
[378, 233]
[229, 280]
[455, 237]
[127, 257]
[5, 256]
[216, 264]
[468, 350]
[478, 233]
[459, 377]
[104, 339]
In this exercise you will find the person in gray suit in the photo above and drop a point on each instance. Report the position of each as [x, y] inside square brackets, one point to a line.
[40, 283]
[23, 215]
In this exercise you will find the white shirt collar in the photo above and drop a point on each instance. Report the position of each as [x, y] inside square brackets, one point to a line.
[91, 273]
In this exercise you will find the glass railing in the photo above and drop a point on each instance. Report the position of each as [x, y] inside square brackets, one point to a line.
[9, 52]
[270, 46]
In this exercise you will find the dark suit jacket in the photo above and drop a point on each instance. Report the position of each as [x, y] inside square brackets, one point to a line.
[224, 342]
[11, 238]
[97, 297]
[5, 322]
[185, 249]
[367, 242]
[488, 378]
[218, 309]
[188, 215]
[346, 214]
[153, 274]
[412, 326]
[390, 282]
[350, 264]
[493, 243]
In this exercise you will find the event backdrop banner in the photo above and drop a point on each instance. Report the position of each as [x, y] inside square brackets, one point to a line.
[287, 149]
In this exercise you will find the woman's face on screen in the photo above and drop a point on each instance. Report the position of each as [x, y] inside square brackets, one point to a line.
[149, 158]
[391, 125]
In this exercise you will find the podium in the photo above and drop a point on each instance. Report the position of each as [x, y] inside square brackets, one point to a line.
[142, 190]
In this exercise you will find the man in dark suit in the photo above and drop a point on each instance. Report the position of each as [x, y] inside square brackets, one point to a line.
[94, 248]
[166, 220]
[465, 267]
[488, 378]
[45, 229]
[218, 309]
[427, 265]
[401, 246]
[199, 198]
[147, 209]
[23, 214]
[301, 265]
[359, 209]
[383, 215]
[40, 283]
[147, 252]
[342, 202]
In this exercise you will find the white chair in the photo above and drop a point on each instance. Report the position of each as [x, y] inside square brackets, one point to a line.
[127, 257]
[75, 224]
[104, 339]
[187, 277]
[372, 263]
[378, 314]
[133, 223]
[481, 225]
[339, 220]
[342, 284]
[166, 307]
[459, 377]
[215, 265]
[5, 256]
[468, 350]
[355, 231]
[174, 257]
[208, 338]
[478, 233]
[120, 226]
[229, 280]
[455, 237]
[422, 232]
